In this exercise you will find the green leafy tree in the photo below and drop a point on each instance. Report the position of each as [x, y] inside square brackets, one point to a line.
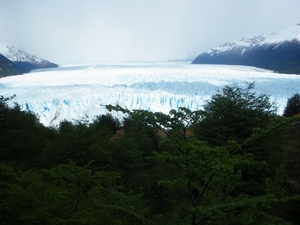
[232, 114]
[67, 194]
[107, 122]
[205, 189]
[129, 148]
[292, 106]
[22, 137]
[82, 142]
[71, 143]
[236, 113]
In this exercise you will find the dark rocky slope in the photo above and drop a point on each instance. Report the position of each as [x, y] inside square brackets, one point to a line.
[7, 67]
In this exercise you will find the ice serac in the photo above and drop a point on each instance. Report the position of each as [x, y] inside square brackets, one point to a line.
[278, 52]
[23, 61]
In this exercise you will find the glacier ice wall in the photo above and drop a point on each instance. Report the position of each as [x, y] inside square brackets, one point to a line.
[77, 93]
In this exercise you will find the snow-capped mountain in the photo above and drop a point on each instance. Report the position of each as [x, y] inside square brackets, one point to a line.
[24, 61]
[241, 44]
[292, 34]
[77, 93]
[279, 52]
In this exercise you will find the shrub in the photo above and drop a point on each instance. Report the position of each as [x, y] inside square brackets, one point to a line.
[293, 105]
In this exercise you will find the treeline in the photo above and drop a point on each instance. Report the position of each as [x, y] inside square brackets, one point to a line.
[221, 165]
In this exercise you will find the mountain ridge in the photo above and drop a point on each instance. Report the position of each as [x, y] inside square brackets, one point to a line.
[15, 61]
[278, 52]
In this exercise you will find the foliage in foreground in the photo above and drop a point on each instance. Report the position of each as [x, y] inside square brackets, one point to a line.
[209, 177]
[153, 168]
[292, 106]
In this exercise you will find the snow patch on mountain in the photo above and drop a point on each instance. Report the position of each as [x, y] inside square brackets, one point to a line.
[17, 54]
[289, 34]
[241, 44]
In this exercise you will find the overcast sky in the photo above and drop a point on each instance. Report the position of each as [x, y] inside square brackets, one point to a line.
[70, 31]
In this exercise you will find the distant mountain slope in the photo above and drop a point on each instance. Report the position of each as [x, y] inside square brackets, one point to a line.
[7, 67]
[23, 61]
[279, 52]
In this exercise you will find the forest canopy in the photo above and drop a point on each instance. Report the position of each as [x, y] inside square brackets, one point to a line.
[222, 164]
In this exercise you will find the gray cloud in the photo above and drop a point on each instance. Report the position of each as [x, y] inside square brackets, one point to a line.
[114, 30]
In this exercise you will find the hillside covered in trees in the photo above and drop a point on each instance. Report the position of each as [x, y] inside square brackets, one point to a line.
[234, 162]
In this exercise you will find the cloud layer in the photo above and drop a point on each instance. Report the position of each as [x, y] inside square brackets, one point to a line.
[101, 30]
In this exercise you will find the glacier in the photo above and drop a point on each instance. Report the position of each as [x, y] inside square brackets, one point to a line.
[80, 92]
